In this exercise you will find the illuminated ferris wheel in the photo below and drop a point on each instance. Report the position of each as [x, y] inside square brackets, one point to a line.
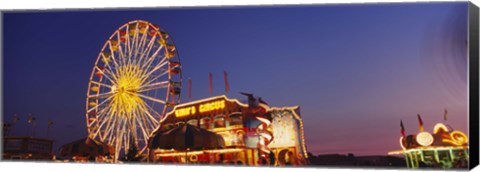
[135, 80]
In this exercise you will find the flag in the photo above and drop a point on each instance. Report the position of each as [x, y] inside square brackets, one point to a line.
[50, 123]
[189, 88]
[225, 78]
[210, 82]
[445, 115]
[420, 123]
[402, 131]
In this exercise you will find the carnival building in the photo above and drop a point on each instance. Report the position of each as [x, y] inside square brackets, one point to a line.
[219, 130]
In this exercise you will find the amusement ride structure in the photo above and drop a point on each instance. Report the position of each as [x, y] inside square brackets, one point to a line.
[135, 80]
[443, 148]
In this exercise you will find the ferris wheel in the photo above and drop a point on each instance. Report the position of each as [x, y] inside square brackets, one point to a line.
[136, 79]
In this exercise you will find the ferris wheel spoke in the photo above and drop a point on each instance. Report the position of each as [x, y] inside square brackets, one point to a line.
[98, 116]
[101, 84]
[104, 74]
[129, 42]
[142, 121]
[154, 78]
[125, 134]
[133, 50]
[109, 128]
[153, 111]
[150, 58]
[110, 72]
[137, 44]
[108, 67]
[123, 55]
[121, 51]
[159, 66]
[134, 45]
[151, 98]
[112, 53]
[145, 54]
[99, 130]
[152, 119]
[143, 41]
[142, 129]
[153, 86]
[147, 50]
[102, 95]
[96, 106]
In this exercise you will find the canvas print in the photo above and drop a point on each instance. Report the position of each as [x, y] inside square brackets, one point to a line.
[351, 85]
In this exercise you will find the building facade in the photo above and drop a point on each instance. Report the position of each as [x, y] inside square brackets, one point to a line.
[254, 134]
[26, 148]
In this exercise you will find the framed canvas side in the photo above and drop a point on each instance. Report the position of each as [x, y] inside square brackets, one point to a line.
[473, 86]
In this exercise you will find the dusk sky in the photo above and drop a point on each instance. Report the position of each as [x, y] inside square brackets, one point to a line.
[354, 70]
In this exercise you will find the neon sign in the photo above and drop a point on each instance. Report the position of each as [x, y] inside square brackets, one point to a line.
[215, 105]
[424, 138]
[202, 108]
[185, 111]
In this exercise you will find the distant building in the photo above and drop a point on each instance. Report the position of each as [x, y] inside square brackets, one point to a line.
[27, 148]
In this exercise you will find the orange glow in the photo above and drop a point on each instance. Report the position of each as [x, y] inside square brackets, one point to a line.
[456, 138]
[439, 126]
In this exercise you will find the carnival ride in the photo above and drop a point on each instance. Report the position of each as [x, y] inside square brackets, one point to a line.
[444, 148]
[136, 79]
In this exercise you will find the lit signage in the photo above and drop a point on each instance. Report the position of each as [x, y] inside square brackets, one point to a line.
[424, 138]
[215, 105]
[202, 108]
[456, 138]
[185, 111]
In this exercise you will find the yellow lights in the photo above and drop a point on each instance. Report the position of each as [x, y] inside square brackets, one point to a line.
[202, 108]
[125, 98]
[164, 153]
[430, 148]
[179, 153]
[215, 105]
[439, 127]
[395, 152]
[185, 111]
[424, 138]
[457, 138]
[401, 143]
[224, 150]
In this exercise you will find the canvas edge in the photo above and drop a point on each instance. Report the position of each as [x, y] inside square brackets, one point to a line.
[473, 36]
